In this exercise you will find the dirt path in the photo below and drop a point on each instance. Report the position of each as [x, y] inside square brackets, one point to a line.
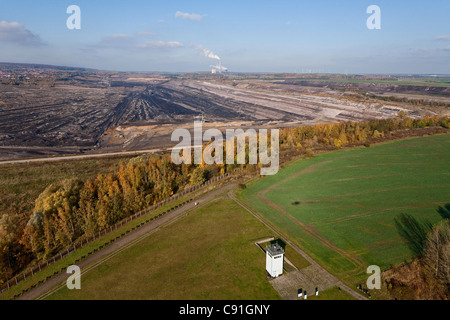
[329, 277]
[84, 156]
[262, 196]
[127, 241]
[58, 282]
[312, 231]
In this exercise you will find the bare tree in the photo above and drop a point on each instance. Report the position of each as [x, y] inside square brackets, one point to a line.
[437, 252]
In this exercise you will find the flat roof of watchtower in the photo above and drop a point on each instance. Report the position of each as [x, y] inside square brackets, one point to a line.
[275, 249]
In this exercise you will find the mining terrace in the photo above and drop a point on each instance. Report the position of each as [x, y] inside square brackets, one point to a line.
[94, 111]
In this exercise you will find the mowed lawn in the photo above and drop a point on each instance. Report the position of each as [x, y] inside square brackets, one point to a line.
[340, 206]
[208, 254]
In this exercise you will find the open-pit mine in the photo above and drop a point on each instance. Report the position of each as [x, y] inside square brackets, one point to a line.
[67, 110]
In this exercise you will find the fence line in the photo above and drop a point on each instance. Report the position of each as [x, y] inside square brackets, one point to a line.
[72, 248]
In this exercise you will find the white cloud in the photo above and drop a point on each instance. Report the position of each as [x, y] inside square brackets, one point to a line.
[145, 34]
[133, 42]
[190, 16]
[122, 40]
[122, 37]
[161, 44]
[118, 37]
[443, 38]
[117, 41]
[15, 32]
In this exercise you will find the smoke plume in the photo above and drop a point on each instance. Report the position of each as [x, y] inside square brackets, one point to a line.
[208, 53]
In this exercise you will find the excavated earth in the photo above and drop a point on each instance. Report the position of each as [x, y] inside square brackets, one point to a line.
[65, 118]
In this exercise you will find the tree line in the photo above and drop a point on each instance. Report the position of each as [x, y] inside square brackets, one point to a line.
[430, 245]
[72, 209]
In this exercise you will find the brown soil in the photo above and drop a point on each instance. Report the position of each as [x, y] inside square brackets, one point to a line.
[413, 282]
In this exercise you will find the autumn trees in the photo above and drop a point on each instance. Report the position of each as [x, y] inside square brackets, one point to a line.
[9, 232]
[437, 253]
[55, 220]
[350, 132]
[437, 249]
[430, 245]
[71, 209]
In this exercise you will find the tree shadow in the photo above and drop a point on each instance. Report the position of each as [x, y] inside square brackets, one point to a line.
[444, 211]
[413, 231]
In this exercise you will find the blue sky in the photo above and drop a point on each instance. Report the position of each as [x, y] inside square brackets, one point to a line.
[248, 35]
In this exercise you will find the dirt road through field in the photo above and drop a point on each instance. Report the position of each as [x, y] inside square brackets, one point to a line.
[127, 241]
[319, 269]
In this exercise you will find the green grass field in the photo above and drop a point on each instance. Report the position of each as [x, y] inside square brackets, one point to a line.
[331, 294]
[78, 254]
[340, 206]
[209, 254]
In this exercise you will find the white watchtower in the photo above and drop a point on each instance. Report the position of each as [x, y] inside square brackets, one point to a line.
[274, 260]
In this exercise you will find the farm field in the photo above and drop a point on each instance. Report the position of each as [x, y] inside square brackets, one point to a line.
[209, 254]
[340, 206]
